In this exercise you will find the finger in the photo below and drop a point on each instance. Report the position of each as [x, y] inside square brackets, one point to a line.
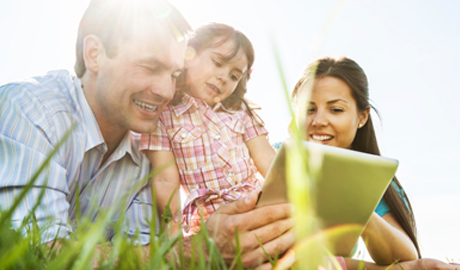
[265, 234]
[262, 216]
[265, 266]
[273, 230]
[286, 262]
[272, 248]
[240, 206]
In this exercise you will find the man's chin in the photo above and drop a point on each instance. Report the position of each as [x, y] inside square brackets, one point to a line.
[145, 126]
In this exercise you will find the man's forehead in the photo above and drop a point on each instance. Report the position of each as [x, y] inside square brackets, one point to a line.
[165, 49]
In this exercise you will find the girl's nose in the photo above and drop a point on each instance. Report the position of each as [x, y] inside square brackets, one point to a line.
[222, 77]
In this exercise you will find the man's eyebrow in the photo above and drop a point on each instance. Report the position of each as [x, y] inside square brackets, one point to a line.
[153, 61]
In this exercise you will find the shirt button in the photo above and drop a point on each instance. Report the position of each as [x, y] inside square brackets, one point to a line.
[217, 137]
[230, 172]
[183, 135]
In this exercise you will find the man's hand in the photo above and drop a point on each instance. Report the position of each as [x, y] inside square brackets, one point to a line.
[273, 226]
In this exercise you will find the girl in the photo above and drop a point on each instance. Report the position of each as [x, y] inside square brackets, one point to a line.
[218, 143]
[338, 115]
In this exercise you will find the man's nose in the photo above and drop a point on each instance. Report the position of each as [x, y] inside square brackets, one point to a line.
[164, 87]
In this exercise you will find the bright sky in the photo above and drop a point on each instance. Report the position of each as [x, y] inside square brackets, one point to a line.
[409, 50]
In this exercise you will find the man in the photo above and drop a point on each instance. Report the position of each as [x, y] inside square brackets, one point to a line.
[129, 54]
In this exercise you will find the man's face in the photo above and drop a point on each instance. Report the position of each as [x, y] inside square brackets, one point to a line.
[134, 86]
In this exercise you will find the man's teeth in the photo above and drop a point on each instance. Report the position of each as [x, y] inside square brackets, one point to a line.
[145, 106]
[321, 137]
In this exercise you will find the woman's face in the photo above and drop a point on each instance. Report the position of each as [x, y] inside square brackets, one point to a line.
[332, 114]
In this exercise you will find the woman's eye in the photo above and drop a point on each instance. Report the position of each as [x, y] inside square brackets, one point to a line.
[310, 110]
[217, 63]
[337, 110]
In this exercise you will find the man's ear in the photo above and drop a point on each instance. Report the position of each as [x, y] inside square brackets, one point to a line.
[93, 49]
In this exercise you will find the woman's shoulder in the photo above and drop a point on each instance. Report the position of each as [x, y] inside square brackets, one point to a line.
[276, 145]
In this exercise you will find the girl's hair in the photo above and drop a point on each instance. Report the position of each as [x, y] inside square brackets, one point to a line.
[213, 35]
[365, 141]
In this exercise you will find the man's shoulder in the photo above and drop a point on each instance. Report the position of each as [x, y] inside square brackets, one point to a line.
[46, 94]
[47, 103]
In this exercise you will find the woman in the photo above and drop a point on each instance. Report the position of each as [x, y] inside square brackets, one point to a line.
[338, 114]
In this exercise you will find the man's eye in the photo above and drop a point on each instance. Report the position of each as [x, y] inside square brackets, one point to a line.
[176, 75]
[151, 69]
[217, 63]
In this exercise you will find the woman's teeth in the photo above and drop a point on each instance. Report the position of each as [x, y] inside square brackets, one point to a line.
[145, 106]
[321, 137]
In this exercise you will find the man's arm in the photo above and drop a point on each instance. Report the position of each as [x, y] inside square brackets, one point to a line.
[25, 144]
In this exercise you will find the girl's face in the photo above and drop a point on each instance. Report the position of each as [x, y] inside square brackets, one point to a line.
[211, 77]
[332, 115]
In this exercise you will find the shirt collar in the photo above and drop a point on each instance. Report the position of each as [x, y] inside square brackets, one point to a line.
[188, 101]
[128, 146]
[93, 133]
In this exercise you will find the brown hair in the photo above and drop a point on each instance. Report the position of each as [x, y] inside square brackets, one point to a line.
[365, 141]
[114, 21]
[213, 35]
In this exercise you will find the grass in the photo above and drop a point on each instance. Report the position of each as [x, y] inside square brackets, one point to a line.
[86, 248]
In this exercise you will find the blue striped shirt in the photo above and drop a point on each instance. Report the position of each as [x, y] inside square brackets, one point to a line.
[34, 116]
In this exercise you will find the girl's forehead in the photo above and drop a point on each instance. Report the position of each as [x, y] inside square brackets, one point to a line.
[227, 48]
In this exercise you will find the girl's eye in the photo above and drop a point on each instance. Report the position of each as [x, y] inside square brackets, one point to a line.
[234, 77]
[310, 110]
[216, 63]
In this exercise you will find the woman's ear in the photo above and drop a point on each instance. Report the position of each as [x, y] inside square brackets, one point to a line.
[93, 49]
[363, 117]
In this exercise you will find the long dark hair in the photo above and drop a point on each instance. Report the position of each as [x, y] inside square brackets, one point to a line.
[213, 35]
[365, 141]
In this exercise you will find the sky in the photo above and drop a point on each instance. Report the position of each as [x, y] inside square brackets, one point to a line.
[408, 49]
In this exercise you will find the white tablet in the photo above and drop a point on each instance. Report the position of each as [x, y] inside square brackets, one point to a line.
[346, 189]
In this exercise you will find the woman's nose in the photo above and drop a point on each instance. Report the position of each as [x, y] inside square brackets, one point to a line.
[319, 120]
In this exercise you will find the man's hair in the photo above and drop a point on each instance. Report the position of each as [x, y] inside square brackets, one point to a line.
[114, 21]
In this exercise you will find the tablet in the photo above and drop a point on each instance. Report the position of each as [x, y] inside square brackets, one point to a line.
[346, 186]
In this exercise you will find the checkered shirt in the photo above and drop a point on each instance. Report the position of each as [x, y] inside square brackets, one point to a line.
[211, 155]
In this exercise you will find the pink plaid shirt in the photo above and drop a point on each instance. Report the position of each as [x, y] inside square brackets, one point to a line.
[211, 155]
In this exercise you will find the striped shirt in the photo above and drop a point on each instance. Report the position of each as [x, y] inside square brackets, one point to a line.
[211, 155]
[34, 116]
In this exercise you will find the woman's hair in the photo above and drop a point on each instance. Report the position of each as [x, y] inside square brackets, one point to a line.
[213, 35]
[365, 141]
